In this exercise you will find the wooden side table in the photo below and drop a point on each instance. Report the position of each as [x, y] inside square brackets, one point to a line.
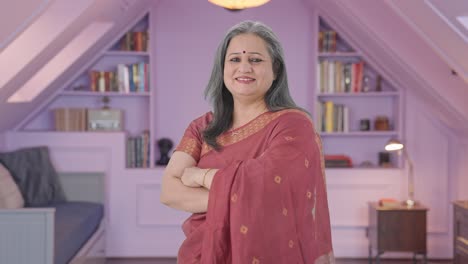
[397, 228]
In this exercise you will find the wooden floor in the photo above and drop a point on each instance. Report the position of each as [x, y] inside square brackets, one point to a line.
[338, 261]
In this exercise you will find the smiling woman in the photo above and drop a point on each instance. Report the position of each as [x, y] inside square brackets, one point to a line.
[248, 71]
[251, 170]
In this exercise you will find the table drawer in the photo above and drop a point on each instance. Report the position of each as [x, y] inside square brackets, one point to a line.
[402, 231]
[461, 224]
[461, 251]
[460, 259]
[461, 215]
[460, 232]
[462, 245]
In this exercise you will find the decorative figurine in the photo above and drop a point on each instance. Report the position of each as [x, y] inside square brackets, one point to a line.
[105, 102]
[378, 87]
[165, 145]
[364, 124]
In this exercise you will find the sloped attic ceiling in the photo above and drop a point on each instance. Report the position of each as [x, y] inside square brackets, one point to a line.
[430, 18]
[19, 17]
[403, 54]
[48, 28]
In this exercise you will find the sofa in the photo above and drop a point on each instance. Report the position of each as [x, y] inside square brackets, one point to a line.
[38, 222]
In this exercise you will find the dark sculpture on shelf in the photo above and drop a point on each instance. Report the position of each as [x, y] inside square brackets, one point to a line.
[164, 145]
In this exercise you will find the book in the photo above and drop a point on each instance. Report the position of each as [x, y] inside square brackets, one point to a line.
[337, 161]
[70, 119]
[389, 202]
[329, 116]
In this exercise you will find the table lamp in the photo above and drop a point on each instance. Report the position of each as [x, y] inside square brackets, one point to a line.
[396, 145]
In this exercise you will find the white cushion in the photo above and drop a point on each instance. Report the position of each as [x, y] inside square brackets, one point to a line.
[10, 196]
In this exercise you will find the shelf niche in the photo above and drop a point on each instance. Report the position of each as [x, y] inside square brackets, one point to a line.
[120, 74]
[349, 96]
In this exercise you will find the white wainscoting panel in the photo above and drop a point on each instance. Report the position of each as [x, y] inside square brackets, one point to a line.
[349, 193]
[71, 159]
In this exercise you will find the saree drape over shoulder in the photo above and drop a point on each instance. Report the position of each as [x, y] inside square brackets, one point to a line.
[268, 200]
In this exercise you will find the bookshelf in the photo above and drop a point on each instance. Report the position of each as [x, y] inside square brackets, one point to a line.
[121, 75]
[349, 97]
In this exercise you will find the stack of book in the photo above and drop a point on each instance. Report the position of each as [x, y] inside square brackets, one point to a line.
[138, 150]
[340, 77]
[338, 161]
[327, 41]
[70, 119]
[125, 79]
[332, 117]
[134, 41]
[389, 202]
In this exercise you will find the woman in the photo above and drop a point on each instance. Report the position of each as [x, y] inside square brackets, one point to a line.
[251, 171]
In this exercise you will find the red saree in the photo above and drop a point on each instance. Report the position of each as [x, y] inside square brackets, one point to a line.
[268, 201]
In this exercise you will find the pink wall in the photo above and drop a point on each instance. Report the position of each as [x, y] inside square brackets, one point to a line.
[186, 36]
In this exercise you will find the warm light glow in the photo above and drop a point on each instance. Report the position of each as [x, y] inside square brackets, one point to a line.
[238, 4]
[393, 145]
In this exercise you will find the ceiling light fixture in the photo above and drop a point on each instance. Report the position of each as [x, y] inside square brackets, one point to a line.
[238, 4]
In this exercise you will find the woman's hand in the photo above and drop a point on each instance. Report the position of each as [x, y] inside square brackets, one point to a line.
[193, 177]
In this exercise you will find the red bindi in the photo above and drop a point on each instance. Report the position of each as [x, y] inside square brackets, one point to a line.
[243, 51]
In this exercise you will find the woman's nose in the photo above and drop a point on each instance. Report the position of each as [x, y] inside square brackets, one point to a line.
[245, 67]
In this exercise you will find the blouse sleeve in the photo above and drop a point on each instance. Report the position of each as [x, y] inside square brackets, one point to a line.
[191, 142]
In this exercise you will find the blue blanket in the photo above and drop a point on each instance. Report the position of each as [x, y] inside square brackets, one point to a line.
[75, 223]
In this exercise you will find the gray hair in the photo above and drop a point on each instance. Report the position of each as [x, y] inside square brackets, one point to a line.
[276, 98]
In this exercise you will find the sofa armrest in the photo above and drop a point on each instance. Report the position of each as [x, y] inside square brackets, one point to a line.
[27, 235]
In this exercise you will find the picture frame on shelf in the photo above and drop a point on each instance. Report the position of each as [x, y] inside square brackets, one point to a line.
[105, 120]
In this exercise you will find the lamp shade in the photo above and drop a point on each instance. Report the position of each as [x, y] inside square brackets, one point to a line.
[394, 145]
[238, 4]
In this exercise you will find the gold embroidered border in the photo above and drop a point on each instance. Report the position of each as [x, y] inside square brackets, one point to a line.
[189, 146]
[322, 159]
[251, 128]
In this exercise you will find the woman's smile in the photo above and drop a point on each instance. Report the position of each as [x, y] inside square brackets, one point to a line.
[245, 80]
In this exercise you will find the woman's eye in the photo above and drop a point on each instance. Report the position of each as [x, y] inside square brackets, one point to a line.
[252, 60]
[256, 60]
